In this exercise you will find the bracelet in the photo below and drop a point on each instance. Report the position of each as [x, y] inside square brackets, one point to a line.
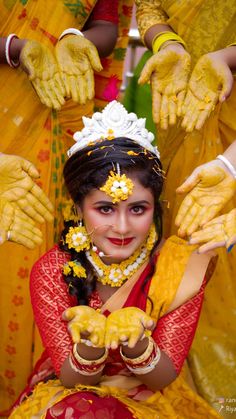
[162, 37]
[70, 31]
[146, 362]
[85, 366]
[10, 62]
[227, 164]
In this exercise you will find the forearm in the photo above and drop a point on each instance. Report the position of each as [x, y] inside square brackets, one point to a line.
[161, 376]
[103, 35]
[230, 154]
[228, 55]
[15, 49]
[150, 16]
[70, 378]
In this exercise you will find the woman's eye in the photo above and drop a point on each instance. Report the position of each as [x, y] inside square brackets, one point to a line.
[105, 210]
[138, 210]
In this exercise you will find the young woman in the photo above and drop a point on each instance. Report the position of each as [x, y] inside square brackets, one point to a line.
[116, 306]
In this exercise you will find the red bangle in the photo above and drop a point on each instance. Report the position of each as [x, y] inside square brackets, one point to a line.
[84, 366]
[10, 62]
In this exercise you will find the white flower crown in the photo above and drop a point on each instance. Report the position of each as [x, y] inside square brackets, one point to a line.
[114, 121]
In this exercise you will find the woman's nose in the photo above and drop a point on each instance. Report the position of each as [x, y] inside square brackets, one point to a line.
[122, 224]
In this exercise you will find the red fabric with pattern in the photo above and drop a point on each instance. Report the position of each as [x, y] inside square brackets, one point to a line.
[106, 10]
[50, 297]
[89, 405]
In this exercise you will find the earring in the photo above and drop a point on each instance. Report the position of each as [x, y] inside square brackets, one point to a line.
[77, 238]
[152, 237]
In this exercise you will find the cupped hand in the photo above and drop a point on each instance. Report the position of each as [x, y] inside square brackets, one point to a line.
[168, 71]
[220, 231]
[209, 188]
[40, 64]
[77, 59]
[85, 322]
[126, 325]
[17, 185]
[211, 82]
[18, 225]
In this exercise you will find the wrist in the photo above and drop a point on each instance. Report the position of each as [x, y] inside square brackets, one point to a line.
[138, 349]
[89, 352]
[227, 164]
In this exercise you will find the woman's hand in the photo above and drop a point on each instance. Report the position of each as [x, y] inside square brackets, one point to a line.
[220, 231]
[86, 323]
[78, 59]
[39, 63]
[168, 71]
[209, 188]
[17, 185]
[17, 227]
[211, 82]
[126, 325]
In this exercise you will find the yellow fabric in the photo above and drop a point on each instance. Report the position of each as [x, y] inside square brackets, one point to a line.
[175, 253]
[31, 130]
[205, 25]
[175, 401]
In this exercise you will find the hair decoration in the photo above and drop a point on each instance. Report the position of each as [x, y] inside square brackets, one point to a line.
[75, 268]
[77, 238]
[114, 121]
[118, 187]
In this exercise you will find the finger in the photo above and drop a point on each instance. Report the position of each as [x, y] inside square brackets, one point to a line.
[66, 81]
[27, 208]
[164, 112]
[38, 207]
[227, 85]
[94, 59]
[185, 207]
[156, 105]
[29, 168]
[134, 337]
[208, 213]
[39, 88]
[74, 90]
[41, 197]
[89, 80]
[231, 242]
[172, 110]
[203, 116]
[70, 313]
[190, 182]
[147, 322]
[20, 238]
[82, 89]
[50, 88]
[58, 79]
[147, 71]
[210, 246]
[180, 102]
[188, 219]
[74, 330]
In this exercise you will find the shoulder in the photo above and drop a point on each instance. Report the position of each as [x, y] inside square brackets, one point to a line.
[50, 264]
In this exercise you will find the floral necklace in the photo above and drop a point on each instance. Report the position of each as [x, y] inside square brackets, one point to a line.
[117, 273]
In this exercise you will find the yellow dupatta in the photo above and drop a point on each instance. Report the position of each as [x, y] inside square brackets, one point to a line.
[31, 130]
[205, 25]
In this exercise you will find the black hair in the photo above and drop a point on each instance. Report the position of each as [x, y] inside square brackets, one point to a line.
[88, 169]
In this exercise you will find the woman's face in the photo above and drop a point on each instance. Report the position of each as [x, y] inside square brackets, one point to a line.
[118, 229]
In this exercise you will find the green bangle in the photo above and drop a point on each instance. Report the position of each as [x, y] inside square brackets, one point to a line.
[162, 37]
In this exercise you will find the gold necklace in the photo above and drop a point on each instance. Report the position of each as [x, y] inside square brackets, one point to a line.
[117, 273]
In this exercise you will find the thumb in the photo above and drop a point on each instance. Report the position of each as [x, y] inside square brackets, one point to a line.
[227, 85]
[94, 58]
[69, 313]
[147, 71]
[190, 182]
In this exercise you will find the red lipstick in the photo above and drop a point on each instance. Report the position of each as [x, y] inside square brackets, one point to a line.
[120, 242]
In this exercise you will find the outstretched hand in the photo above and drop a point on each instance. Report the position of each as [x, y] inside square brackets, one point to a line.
[209, 188]
[220, 231]
[17, 185]
[86, 323]
[39, 63]
[78, 59]
[211, 82]
[168, 71]
[18, 225]
[127, 324]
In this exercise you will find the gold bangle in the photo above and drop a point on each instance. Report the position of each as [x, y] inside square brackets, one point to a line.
[162, 37]
[143, 357]
[86, 361]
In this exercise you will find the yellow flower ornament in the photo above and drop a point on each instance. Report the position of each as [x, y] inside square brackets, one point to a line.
[118, 187]
[75, 268]
[77, 238]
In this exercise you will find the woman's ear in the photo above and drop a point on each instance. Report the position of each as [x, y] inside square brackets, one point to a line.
[79, 211]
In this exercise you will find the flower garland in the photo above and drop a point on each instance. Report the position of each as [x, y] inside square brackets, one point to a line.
[116, 274]
[74, 267]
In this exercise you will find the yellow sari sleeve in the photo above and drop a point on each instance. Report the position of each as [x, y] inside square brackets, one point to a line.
[148, 14]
